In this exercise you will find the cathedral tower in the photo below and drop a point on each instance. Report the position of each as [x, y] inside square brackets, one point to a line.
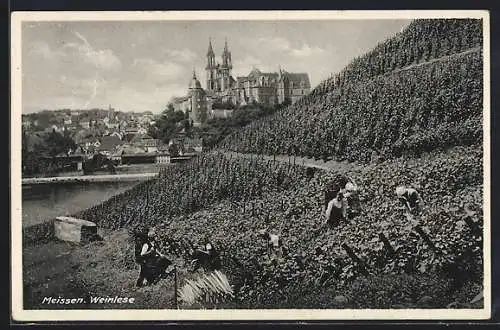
[226, 67]
[211, 67]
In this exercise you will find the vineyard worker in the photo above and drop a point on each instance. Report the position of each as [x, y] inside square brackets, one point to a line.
[154, 263]
[338, 183]
[336, 210]
[274, 244]
[208, 257]
[140, 240]
[350, 192]
[331, 191]
[410, 198]
[213, 261]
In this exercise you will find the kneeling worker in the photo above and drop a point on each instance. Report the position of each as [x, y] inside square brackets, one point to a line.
[153, 263]
[274, 244]
[411, 199]
[336, 211]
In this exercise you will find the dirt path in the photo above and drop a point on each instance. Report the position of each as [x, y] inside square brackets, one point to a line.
[327, 166]
[442, 58]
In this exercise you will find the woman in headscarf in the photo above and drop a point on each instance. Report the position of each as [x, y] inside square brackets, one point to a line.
[411, 199]
[336, 210]
[153, 263]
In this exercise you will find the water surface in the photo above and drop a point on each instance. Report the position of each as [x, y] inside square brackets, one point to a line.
[42, 202]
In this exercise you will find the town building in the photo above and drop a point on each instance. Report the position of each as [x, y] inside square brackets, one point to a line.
[52, 128]
[26, 123]
[85, 124]
[221, 113]
[113, 125]
[109, 144]
[145, 142]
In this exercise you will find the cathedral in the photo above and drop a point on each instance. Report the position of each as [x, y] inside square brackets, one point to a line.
[266, 88]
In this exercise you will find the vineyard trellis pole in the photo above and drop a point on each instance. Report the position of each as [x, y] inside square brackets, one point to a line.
[176, 300]
[473, 225]
[425, 237]
[355, 258]
[387, 244]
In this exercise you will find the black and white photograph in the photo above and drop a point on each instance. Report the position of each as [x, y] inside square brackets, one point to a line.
[250, 165]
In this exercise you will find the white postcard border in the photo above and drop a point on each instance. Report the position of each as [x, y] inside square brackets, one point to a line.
[20, 314]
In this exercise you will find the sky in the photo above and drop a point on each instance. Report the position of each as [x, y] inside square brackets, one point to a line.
[141, 65]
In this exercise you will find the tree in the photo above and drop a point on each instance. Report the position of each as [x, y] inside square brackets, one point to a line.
[174, 150]
[57, 143]
[168, 124]
[170, 108]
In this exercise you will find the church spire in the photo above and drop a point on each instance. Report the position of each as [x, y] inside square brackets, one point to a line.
[194, 73]
[226, 56]
[210, 49]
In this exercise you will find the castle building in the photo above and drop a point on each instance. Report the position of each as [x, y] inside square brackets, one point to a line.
[196, 103]
[266, 88]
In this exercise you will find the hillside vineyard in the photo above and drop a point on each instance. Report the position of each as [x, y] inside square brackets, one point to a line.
[227, 200]
[418, 91]
[416, 99]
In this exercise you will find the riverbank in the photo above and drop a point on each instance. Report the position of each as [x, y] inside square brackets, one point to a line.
[91, 178]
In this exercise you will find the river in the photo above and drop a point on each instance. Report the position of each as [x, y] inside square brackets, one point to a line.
[42, 202]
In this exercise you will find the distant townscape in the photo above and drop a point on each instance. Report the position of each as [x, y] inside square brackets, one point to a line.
[79, 142]
[87, 141]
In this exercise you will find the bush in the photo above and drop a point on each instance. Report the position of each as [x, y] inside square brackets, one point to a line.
[400, 291]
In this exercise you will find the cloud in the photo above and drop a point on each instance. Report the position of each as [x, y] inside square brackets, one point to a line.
[160, 72]
[128, 96]
[271, 44]
[42, 49]
[100, 59]
[132, 98]
[307, 51]
[268, 53]
[282, 45]
[181, 55]
[54, 102]
[242, 67]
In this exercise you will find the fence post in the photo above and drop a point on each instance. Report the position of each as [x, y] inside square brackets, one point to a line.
[355, 258]
[425, 237]
[387, 244]
[471, 223]
[175, 288]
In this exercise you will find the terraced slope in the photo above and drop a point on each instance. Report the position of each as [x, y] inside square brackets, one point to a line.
[414, 93]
